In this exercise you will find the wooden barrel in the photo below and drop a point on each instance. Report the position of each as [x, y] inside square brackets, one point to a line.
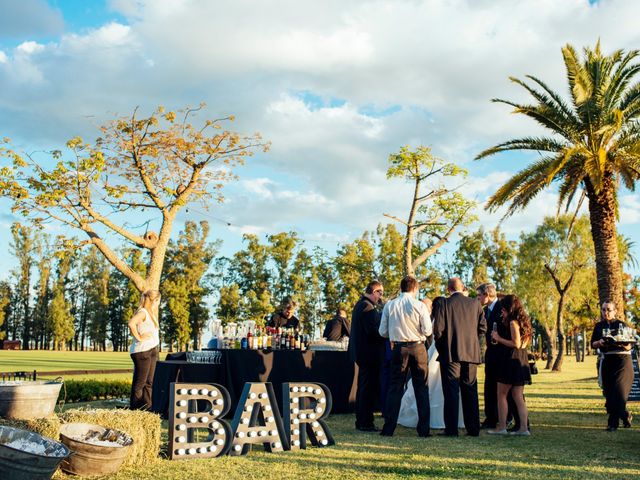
[88, 458]
[24, 400]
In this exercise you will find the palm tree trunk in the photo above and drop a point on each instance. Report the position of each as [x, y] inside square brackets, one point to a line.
[602, 215]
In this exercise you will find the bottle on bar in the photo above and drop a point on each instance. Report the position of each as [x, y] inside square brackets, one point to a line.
[250, 340]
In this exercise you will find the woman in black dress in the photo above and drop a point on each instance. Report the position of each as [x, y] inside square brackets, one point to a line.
[514, 373]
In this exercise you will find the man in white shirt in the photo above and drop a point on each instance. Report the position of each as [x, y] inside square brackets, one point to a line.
[407, 324]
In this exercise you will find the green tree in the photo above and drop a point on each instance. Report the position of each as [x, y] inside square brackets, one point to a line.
[470, 262]
[355, 264]
[158, 164]
[305, 283]
[282, 250]
[390, 259]
[60, 315]
[41, 326]
[434, 215]
[188, 260]
[501, 259]
[22, 248]
[5, 307]
[328, 281]
[559, 262]
[94, 304]
[228, 309]
[594, 146]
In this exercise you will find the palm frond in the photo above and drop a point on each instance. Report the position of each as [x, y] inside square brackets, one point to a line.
[522, 187]
[538, 144]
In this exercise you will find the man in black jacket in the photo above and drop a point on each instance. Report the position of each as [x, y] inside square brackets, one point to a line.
[458, 322]
[338, 327]
[494, 355]
[366, 348]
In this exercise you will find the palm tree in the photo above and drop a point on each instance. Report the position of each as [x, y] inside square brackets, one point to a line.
[594, 145]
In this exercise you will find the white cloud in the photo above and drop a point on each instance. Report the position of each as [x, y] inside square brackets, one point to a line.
[29, 48]
[433, 65]
[629, 209]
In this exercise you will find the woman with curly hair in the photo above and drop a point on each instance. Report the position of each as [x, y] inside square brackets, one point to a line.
[514, 373]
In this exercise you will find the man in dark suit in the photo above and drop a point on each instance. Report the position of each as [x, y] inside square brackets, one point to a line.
[338, 327]
[458, 322]
[366, 348]
[494, 354]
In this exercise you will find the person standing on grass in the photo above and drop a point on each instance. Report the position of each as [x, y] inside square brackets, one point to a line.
[144, 349]
[406, 322]
[514, 372]
[366, 349]
[458, 322]
[616, 368]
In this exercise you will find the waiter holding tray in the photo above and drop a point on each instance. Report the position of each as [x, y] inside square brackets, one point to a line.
[616, 367]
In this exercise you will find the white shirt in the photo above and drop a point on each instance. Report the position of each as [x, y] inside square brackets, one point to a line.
[405, 319]
[144, 327]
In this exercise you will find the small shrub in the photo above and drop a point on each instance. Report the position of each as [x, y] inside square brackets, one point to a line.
[90, 390]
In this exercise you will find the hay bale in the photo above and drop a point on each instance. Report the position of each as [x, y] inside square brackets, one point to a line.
[47, 426]
[144, 428]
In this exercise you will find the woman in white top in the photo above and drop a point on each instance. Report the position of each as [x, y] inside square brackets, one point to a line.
[144, 349]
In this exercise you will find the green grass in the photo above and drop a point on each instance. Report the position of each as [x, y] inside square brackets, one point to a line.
[568, 442]
[52, 361]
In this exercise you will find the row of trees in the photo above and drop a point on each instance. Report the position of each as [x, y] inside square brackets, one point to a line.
[65, 297]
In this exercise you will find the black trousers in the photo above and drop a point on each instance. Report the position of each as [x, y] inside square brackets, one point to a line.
[367, 394]
[617, 379]
[144, 367]
[459, 380]
[405, 359]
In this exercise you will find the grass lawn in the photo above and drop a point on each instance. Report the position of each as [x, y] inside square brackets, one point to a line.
[568, 441]
[52, 361]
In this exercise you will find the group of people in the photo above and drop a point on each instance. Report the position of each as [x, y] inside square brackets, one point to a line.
[455, 323]
[402, 331]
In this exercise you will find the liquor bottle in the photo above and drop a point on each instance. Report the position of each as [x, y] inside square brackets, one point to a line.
[287, 342]
[269, 341]
[494, 328]
[250, 340]
[259, 338]
[244, 343]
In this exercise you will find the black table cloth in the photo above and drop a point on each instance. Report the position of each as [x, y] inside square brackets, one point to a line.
[334, 369]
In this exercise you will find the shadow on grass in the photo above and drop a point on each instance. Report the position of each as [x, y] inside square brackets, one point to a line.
[567, 396]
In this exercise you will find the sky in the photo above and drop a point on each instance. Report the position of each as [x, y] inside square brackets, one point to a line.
[335, 86]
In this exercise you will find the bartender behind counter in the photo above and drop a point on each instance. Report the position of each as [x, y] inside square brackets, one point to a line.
[338, 327]
[284, 317]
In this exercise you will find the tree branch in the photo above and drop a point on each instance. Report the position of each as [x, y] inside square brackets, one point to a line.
[396, 219]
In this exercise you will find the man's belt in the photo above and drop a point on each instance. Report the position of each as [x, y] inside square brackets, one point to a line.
[405, 344]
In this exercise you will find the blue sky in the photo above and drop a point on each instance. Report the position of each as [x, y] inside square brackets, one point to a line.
[336, 86]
